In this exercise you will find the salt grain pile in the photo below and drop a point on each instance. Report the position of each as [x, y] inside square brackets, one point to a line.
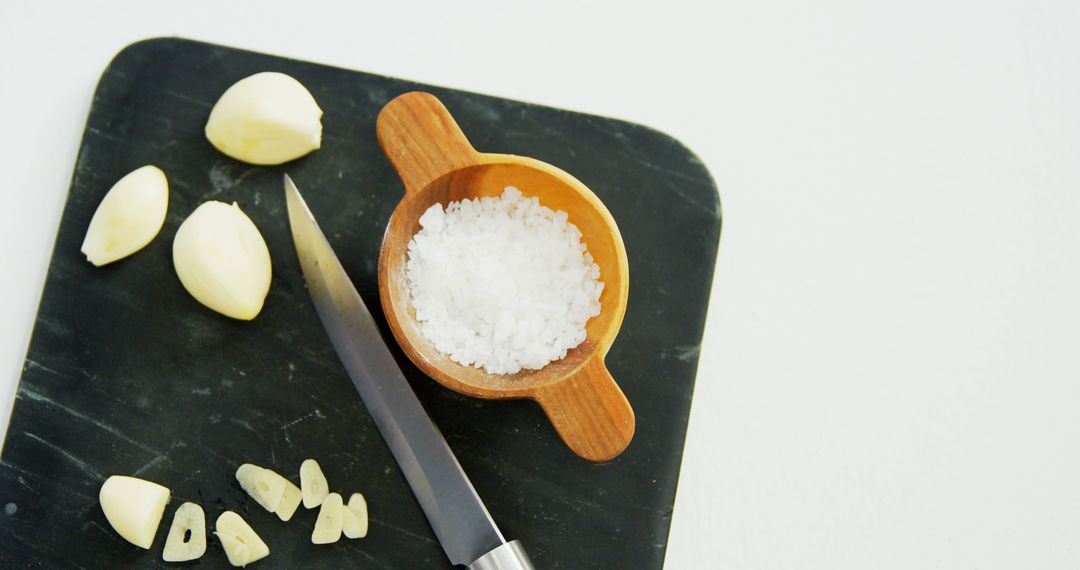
[502, 283]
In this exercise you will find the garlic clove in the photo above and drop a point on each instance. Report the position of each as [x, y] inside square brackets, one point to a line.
[313, 484]
[355, 524]
[265, 486]
[133, 507]
[222, 260]
[189, 518]
[128, 217]
[242, 546]
[350, 525]
[290, 501]
[267, 118]
[331, 519]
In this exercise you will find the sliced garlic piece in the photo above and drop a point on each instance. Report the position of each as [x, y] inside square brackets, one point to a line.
[290, 500]
[222, 260]
[331, 519]
[267, 118]
[350, 525]
[355, 524]
[313, 484]
[128, 217]
[242, 546]
[272, 491]
[133, 507]
[187, 535]
[265, 486]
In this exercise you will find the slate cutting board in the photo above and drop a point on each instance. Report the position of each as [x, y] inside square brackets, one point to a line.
[127, 374]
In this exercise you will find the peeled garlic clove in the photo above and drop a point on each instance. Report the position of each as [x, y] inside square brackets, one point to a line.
[355, 524]
[313, 484]
[272, 491]
[268, 118]
[329, 524]
[222, 260]
[133, 507]
[189, 520]
[350, 525]
[290, 500]
[265, 486]
[242, 546]
[128, 217]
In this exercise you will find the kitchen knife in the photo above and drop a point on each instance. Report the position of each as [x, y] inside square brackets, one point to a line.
[457, 515]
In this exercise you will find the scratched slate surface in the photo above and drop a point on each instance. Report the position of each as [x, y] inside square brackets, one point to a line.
[127, 374]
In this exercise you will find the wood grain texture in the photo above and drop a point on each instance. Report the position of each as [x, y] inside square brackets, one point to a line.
[589, 411]
[438, 165]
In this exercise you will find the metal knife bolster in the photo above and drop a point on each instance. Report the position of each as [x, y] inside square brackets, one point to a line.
[456, 514]
[509, 556]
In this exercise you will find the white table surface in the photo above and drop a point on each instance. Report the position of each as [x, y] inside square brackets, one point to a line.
[890, 374]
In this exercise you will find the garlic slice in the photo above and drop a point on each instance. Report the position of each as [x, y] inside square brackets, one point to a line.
[331, 519]
[133, 507]
[189, 518]
[265, 486]
[222, 260]
[267, 118]
[242, 546]
[128, 217]
[313, 484]
[290, 501]
[355, 524]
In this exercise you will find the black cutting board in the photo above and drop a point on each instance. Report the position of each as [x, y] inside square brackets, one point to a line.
[128, 374]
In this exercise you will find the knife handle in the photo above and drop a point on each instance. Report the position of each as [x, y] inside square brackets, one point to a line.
[508, 556]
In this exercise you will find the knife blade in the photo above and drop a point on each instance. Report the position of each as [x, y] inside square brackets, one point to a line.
[458, 517]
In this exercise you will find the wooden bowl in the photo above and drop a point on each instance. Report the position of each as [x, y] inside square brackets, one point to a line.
[437, 164]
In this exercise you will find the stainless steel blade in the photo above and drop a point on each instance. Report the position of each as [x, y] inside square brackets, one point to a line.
[457, 515]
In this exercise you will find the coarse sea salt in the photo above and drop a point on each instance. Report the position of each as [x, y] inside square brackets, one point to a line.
[502, 283]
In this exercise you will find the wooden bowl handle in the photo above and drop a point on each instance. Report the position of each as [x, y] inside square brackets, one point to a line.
[589, 412]
[422, 140]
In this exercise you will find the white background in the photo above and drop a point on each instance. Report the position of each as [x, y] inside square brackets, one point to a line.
[890, 376]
